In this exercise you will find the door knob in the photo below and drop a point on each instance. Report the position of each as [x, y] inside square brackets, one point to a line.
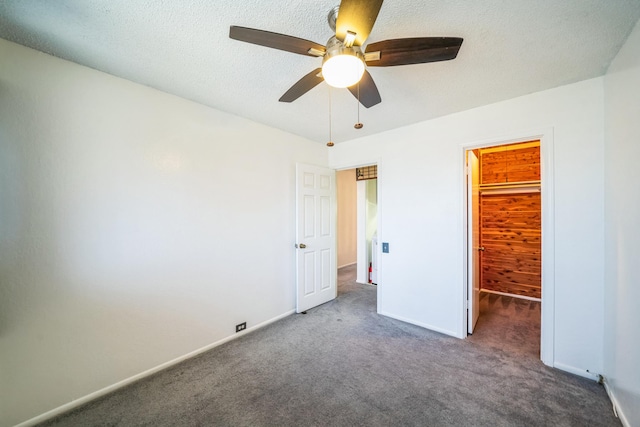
[302, 246]
[481, 248]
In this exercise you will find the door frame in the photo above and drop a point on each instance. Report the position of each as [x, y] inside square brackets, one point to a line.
[362, 270]
[547, 321]
[380, 284]
[473, 234]
[362, 259]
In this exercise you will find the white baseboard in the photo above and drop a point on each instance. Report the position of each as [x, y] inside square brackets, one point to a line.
[511, 295]
[422, 325]
[347, 265]
[96, 394]
[617, 410]
[577, 371]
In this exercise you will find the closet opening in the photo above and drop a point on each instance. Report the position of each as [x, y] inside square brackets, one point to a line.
[504, 252]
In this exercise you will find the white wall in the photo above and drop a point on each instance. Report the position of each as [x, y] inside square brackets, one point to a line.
[347, 217]
[136, 227]
[420, 188]
[622, 229]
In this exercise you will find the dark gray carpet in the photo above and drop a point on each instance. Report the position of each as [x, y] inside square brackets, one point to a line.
[344, 365]
[508, 324]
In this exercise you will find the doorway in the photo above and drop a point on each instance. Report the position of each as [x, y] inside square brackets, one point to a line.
[357, 224]
[504, 230]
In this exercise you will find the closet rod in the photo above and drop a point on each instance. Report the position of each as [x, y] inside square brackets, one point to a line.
[510, 190]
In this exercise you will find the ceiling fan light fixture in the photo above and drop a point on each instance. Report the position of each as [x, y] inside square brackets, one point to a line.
[342, 66]
[343, 70]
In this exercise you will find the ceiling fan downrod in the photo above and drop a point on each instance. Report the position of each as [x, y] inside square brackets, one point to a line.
[332, 17]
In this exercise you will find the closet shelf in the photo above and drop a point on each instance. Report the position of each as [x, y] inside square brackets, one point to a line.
[511, 187]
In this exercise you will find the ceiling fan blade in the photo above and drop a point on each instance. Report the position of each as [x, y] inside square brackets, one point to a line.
[276, 41]
[412, 51]
[369, 95]
[357, 16]
[303, 86]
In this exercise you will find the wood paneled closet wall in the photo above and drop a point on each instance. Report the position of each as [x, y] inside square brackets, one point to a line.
[510, 219]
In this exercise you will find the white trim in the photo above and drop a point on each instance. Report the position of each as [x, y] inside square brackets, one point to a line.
[463, 327]
[511, 295]
[347, 265]
[577, 371]
[547, 321]
[350, 165]
[548, 308]
[361, 232]
[380, 285]
[99, 393]
[379, 209]
[423, 325]
[617, 409]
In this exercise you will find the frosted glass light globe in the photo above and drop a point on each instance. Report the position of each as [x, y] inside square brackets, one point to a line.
[342, 70]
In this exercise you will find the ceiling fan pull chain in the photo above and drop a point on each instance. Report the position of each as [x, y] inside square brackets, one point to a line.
[359, 124]
[330, 143]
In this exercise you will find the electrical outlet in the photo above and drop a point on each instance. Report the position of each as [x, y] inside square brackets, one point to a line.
[241, 327]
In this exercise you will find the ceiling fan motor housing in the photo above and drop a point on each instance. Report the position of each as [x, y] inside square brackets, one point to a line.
[335, 47]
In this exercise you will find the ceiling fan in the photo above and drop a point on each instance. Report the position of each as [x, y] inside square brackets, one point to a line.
[344, 60]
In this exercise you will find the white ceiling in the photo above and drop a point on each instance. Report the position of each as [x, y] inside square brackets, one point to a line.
[511, 48]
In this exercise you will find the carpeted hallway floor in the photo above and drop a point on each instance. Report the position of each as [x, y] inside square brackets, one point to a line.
[342, 364]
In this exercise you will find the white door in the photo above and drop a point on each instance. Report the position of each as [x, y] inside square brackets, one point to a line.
[315, 236]
[473, 237]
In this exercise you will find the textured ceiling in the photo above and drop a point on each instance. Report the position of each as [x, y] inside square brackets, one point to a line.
[511, 48]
